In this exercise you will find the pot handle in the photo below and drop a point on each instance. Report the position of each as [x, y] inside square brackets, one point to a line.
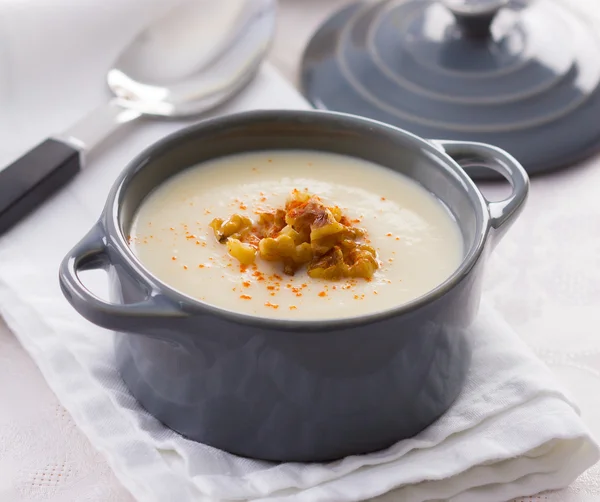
[472, 154]
[92, 253]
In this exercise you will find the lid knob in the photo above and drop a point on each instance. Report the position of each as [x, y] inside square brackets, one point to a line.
[475, 17]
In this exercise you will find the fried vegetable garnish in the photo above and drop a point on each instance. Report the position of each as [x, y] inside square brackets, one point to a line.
[305, 233]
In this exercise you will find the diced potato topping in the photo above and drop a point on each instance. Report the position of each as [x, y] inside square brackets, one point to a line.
[359, 262]
[244, 253]
[307, 233]
[233, 227]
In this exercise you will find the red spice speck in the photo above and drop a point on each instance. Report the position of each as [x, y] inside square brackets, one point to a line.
[185, 267]
[375, 293]
[293, 307]
[201, 266]
[397, 238]
[270, 288]
[245, 297]
[243, 267]
[322, 294]
[171, 228]
[246, 284]
[382, 198]
[173, 258]
[389, 234]
[272, 305]
[272, 294]
[243, 206]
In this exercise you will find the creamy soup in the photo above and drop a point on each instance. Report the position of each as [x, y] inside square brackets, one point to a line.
[418, 243]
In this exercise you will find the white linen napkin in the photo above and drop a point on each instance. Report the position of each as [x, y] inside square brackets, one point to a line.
[512, 432]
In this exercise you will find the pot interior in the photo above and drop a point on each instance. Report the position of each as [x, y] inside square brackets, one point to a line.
[327, 132]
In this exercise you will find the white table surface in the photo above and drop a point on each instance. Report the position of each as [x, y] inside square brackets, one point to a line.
[550, 301]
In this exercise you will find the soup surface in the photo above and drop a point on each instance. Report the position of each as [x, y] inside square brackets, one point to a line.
[418, 243]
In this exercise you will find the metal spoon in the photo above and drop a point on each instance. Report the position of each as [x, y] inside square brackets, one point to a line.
[165, 73]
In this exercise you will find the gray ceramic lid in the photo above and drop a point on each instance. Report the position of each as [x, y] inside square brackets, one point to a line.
[521, 75]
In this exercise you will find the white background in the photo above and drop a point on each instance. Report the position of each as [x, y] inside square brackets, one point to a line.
[544, 278]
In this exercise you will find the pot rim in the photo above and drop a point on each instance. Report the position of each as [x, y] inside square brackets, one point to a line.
[190, 305]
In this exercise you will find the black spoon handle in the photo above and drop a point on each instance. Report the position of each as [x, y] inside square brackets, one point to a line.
[33, 178]
[29, 181]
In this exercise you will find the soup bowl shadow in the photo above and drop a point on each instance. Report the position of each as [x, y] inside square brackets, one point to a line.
[294, 390]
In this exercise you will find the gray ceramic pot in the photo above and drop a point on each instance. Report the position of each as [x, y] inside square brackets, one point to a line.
[293, 390]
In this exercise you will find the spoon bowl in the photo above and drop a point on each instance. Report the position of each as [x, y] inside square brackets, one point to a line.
[162, 72]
